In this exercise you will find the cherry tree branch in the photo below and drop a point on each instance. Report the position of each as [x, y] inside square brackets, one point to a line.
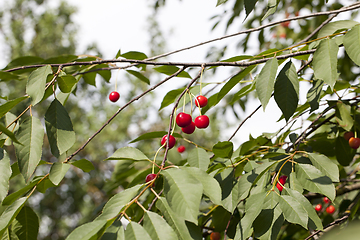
[120, 109]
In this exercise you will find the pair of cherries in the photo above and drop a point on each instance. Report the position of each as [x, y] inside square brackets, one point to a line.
[184, 120]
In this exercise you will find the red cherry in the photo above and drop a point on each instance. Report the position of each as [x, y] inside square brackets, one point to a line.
[172, 141]
[189, 129]
[150, 177]
[202, 121]
[330, 209]
[282, 180]
[114, 96]
[183, 119]
[354, 142]
[215, 236]
[201, 101]
[181, 149]
[318, 207]
[348, 135]
[326, 200]
[285, 24]
[283, 35]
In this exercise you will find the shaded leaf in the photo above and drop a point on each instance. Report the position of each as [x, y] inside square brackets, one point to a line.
[59, 128]
[343, 116]
[170, 70]
[314, 93]
[286, 90]
[223, 149]
[344, 153]
[170, 97]
[152, 135]
[6, 107]
[139, 76]
[325, 165]
[8, 133]
[31, 135]
[336, 26]
[26, 224]
[11, 198]
[66, 83]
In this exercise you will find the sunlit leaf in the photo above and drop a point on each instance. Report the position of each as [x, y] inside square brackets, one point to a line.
[198, 157]
[5, 173]
[293, 210]
[6, 107]
[265, 81]
[157, 227]
[87, 231]
[83, 164]
[325, 165]
[58, 171]
[35, 86]
[10, 213]
[128, 153]
[352, 44]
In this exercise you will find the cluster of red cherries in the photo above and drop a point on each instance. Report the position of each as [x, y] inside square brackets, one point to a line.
[330, 209]
[354, 142]
[186, 123]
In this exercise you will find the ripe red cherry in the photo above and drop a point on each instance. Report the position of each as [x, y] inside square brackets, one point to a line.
[172, 141]
[215, 236]
[114, 96]
[202, 121]
[330, 209]
[149, 178]
[183, 119]
[181, 149]
[354, 142]
[318, 207]
[348, 135]
[282, 180]
[201, 101]
[326, 200]
[189, 129]
[285, 24]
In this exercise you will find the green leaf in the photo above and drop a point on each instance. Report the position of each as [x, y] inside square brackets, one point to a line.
[242, 92]
[265, 81]
[59, 128]
[152, 135]
[325, 165]
[87, 231]
[343, 116]
[294, 182]
[139, 76]
[113, 207]
[23, 61]
[114, 232]
[229, 189]
[10, 199]
[89, 78]
[333, 27]
[31, 135]
[198, 157]
[128, 153]
[286, 90]
[352, 44]
[5, 174]
[170, 70]
[6, 107]
[211, 187]
[293, 210]
[118, 54]
[183, 193]
[83, 164]
[170, 97]
[249, 6]
[314, 93]
[157, 227]
[325, 62]
[219, 2]
[313, 180]
[44, 185]
[8, 133]
[184, 230]
[344, 153]
[134, 55]
[253, 207]
[315, 222]
[271, 8]
[136, 232]
[35, 86]
[26, 224]
[223, 149]
[58, 171]
[232, 83]
[10, 213]
[66, 83]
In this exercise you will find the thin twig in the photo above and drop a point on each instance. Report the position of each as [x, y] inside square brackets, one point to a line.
[122, 108]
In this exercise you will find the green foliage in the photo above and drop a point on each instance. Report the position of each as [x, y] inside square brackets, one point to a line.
[216, 185]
